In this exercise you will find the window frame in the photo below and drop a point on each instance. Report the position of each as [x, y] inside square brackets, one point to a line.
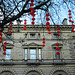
[33, 37]
[36, 54]
[9, 37]
[55, 37]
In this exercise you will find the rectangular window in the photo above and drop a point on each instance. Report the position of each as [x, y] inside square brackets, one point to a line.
[26, 54]
[9, 36]
[32, 36]
[55, 36]
[25, 35]
[39, 54]
[38, 36]
[32, 53]
[8, 54]
[57, 56]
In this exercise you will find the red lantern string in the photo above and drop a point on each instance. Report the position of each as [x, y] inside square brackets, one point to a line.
[71, 21]
[1, 37]
[57, 48]
[32, 12]
[58, 30]
[25, 24]
[4, 48]
[48, 23]
[43, 42]
[10, 28]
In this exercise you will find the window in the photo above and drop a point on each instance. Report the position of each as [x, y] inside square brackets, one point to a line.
[38, 36]
[26, 54]
[32, 53]
[9, 36]
[55, 36]
[39, 53]
[57, 56]
[8, 54]
[74, 45]
[25, 35]
[32, 36]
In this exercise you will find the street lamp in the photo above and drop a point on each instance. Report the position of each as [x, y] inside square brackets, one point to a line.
[18, 22]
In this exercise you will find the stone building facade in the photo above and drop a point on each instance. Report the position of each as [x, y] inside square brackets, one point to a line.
[26, 56]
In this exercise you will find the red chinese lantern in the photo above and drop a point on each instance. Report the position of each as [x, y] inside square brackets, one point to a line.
[47, 23]
[47, 14]
[47, 19]
[4, 49]
[43, 42]
[49, 32]
[5, 42]
[58, 53]
[69, 11]
[58, 31]
[43, 45]
[24, 28]
[43, 38]
[32, 0]
[69, 14]
[58, 34]
[4, 53]
[57, 48]
[0, 37]
[10, 32]
[57, 44]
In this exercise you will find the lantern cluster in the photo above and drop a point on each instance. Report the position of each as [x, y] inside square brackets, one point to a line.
[58, 30]
[47, 23]
[25, 24]
[4, 48]
[43, 42]
[71, 21]
[32, 12]
[10, 28]
[1, 37]
[57, 48]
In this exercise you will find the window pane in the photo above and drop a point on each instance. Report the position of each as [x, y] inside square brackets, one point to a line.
[32, 56]
[25, 51]
[8, 51]
[39, 51]
[25, 57]
[7, 56]
[32, 35]
[55, 36]
[39, 56]
[38, 36]
[32, 51]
